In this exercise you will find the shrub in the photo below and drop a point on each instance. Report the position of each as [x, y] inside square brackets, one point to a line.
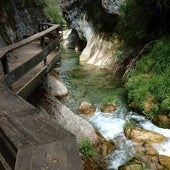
[148, 83]
[110, 99]
[86, 149]
[129, 124]
[141, 21]
[52, 10]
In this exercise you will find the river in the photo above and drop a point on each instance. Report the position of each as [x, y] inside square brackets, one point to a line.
[89, 83]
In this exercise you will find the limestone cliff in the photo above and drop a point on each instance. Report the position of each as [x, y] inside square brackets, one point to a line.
[19, 18]
[90, 19]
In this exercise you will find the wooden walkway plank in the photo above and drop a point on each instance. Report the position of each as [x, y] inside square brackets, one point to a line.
[39, 141]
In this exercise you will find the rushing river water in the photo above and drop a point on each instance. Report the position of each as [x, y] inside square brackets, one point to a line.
[89, 83]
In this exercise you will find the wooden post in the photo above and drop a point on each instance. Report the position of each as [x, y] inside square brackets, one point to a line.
[5, 66]
[42, 42]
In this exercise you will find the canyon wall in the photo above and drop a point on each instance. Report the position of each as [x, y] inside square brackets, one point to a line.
[19, 19]
[95, 21]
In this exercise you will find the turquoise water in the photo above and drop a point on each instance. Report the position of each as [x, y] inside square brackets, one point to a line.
[87, 82]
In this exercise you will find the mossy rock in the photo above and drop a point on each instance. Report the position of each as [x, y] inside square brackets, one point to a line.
[133, 164]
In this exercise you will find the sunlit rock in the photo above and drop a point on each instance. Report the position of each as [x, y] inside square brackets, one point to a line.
[108, 108]
[141, 135]
[107, 147]
[58, 89]
[164, 161]
[99, 52]
[86, 108]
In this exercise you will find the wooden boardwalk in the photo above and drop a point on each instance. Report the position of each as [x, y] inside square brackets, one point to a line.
[25, 63]
[29, 139]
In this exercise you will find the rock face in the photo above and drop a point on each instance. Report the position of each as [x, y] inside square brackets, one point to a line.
[99, 52]
[87, 17]
[112, 6]
[73, 41]
[98, 12]
[19, 19]
[82, 129]
[72, 122]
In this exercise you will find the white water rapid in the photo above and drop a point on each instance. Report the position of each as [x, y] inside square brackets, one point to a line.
[111, 126]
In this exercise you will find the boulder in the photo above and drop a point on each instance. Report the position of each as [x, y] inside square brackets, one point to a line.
[144, 136]
[58, 88]
[86, 108]
[164, 161]
[109, 108]
[107, 147]
[162, 121]
[133, 164]
[148, 154]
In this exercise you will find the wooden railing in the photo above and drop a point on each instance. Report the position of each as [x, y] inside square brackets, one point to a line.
[29, 139]
[45, 30]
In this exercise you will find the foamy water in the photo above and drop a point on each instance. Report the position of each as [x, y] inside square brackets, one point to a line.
[111, 126]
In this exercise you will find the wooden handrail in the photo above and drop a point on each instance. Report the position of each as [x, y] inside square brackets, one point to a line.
[31, 63]
[52, 32]
[7, 49]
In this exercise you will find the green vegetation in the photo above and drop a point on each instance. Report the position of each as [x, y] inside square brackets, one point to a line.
[144, 28]
[110, 99]
[148, 84]
[86, 149]
[52, 10]
[141, 21]
[129, 124]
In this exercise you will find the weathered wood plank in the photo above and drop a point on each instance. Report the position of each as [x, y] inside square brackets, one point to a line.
[11, 103]
[31, 63]
[5, 50]
[3, 164]
[32, 84]
[40, 142]
[54, 60]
